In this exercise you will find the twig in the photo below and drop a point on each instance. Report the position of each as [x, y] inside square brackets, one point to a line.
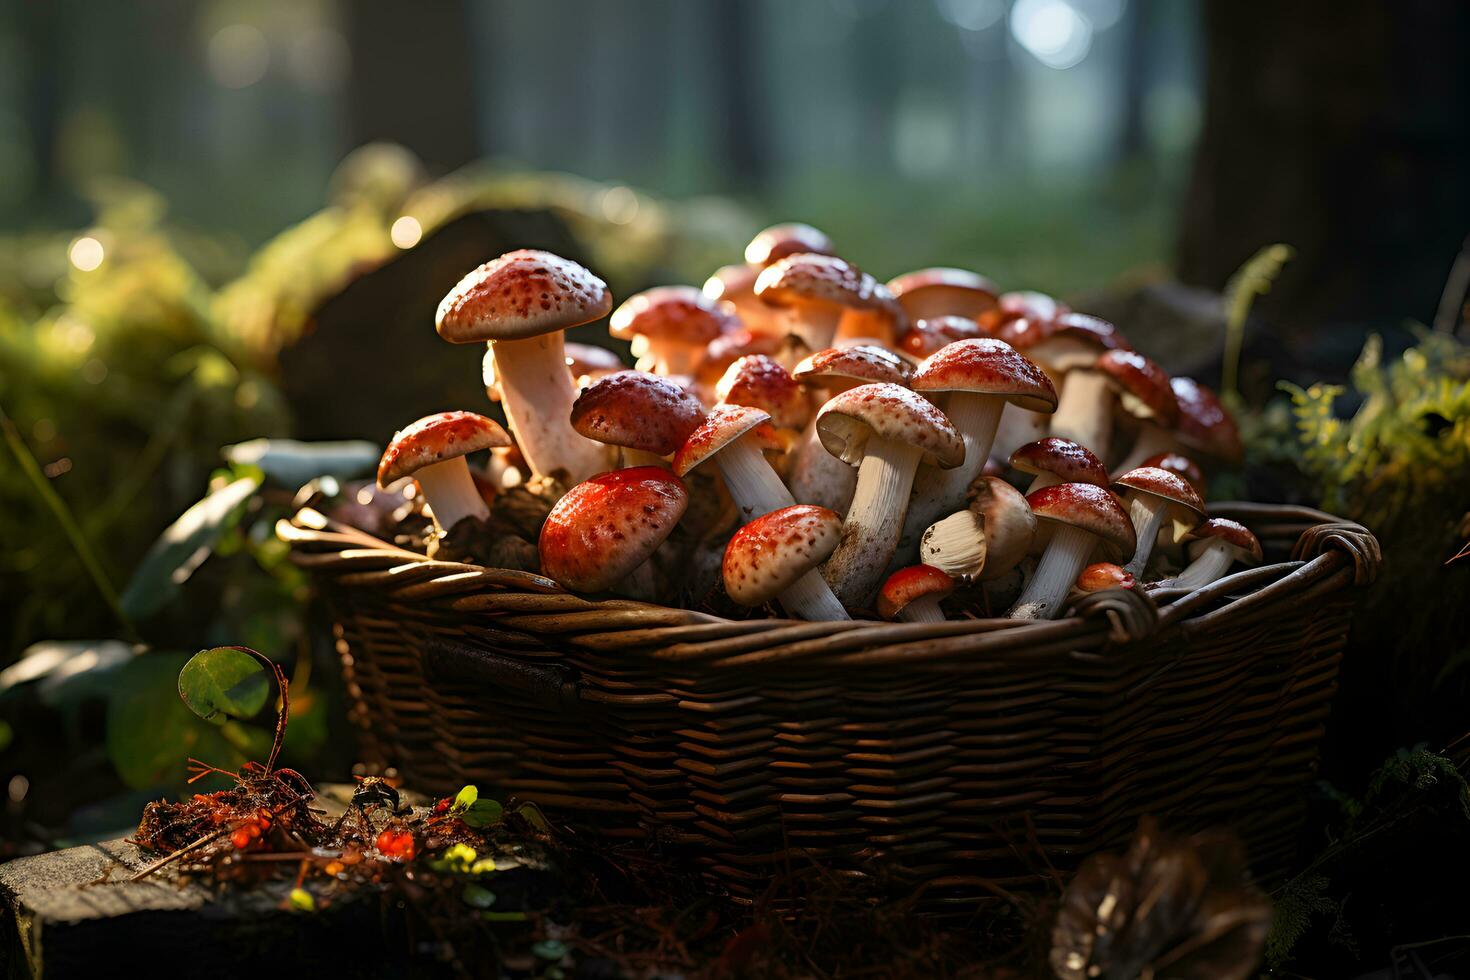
[168, 859]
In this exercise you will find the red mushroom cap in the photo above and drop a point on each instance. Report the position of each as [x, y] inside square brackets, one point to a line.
[760, 382]
[768, 555]
[1204, 423]
[908, 584]
[1185, 505]
[822, 280]
[637, 410]
[778, 241]
[987, 367]
[1072, 462]
[887, 411]
[1181, 466]
[589, 360]
[956, 291]
[730, 281]
[1090, 508]
[1238, 536]
[929, 335]
[1104, 575]
[436, 438]
[607, 526]
[728, 348]
[680, 313]
[860, 363]
[1142, 385]
[722, 426]
[521, 294]
[1030, 305]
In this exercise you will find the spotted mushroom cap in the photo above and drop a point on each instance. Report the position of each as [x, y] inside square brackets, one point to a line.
[929, 292]
[722, 426]
[1181, 466]
[760, 382]
[680, 313]
[931, 333]
[861, 363]
[1185, 506]
[436, 438]
[820, 280]
[589, 360]
[1204, 423]
[728, 348]
[1245, 545]
[908, 584]
[887, 411]
[730, 281]
[1093, 509]
[778, 241]
[1015, 305]
[1104, 575]
[768, 555]
[521, 294]
[1063, 458]
[1066, 341]
[607, 526]
[987, 367]
[1143, 387]
[637, 410]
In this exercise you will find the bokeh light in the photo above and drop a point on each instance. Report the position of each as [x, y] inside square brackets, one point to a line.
[406, 231]
[238, 56]
[1053, 31]
[619, 205]
[86, 253]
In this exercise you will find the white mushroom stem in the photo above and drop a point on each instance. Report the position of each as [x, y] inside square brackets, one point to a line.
[537, 393]
[1148, 513]
[1208, 566]
[1085, 411]
[1152, 440]
[956, 545]
[874, 521]
[754, 486]
[666, 357]
[938, 491]
[811, 598]
[922, 610]
[815, 325]
[450, 492]
[1060, 564]
[818, 477]
[1017, 428]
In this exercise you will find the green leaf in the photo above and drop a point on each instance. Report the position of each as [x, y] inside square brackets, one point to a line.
[302, 901]
[226, 682]
[550, 949]
[465, 798]
[482, 813]
[290, 463]
[478, 896]
[503, 916]
[151, 733]
[184, 546]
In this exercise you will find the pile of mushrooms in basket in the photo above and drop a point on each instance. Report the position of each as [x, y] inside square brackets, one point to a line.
[798, 439]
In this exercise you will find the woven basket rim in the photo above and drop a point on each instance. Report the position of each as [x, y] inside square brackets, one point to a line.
[1323, 548]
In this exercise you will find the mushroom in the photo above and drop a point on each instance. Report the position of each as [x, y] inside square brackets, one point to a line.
[939, 292]
[976, 379]
[816, 476]
[734, 436]
[789, 238]
[1066, 346]
[520, 303]
[1054, 460]
[1181, 466]
[985, 540]
[637, 411]
[912, 594]
[757, 381]
[1016, 305]
[1084, 517]
[588, 362]
[1100, 577]
[776, 556]
[1214, 546]
[432, 450]
[1154, 496]
[605, 528]
[669, 327]
[728, 348]
[1118, 379]
[826, 299]
[885, 430]
[1204, 427]
[733, 288]
[930, 334]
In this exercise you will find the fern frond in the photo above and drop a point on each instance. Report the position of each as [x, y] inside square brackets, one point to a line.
[1250, 281]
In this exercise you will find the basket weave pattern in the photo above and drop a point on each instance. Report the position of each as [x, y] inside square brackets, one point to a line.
[964, 757]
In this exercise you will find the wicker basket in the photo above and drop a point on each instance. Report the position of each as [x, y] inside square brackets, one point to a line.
[965, 758]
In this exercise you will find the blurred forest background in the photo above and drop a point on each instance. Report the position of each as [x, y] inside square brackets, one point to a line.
[230, 219]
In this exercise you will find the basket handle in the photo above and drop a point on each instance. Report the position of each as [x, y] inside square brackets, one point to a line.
[552, 686]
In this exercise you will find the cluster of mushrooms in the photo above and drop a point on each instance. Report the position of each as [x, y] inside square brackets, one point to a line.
[907, 447]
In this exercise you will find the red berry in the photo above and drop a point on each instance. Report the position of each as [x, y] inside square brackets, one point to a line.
[241, 839]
